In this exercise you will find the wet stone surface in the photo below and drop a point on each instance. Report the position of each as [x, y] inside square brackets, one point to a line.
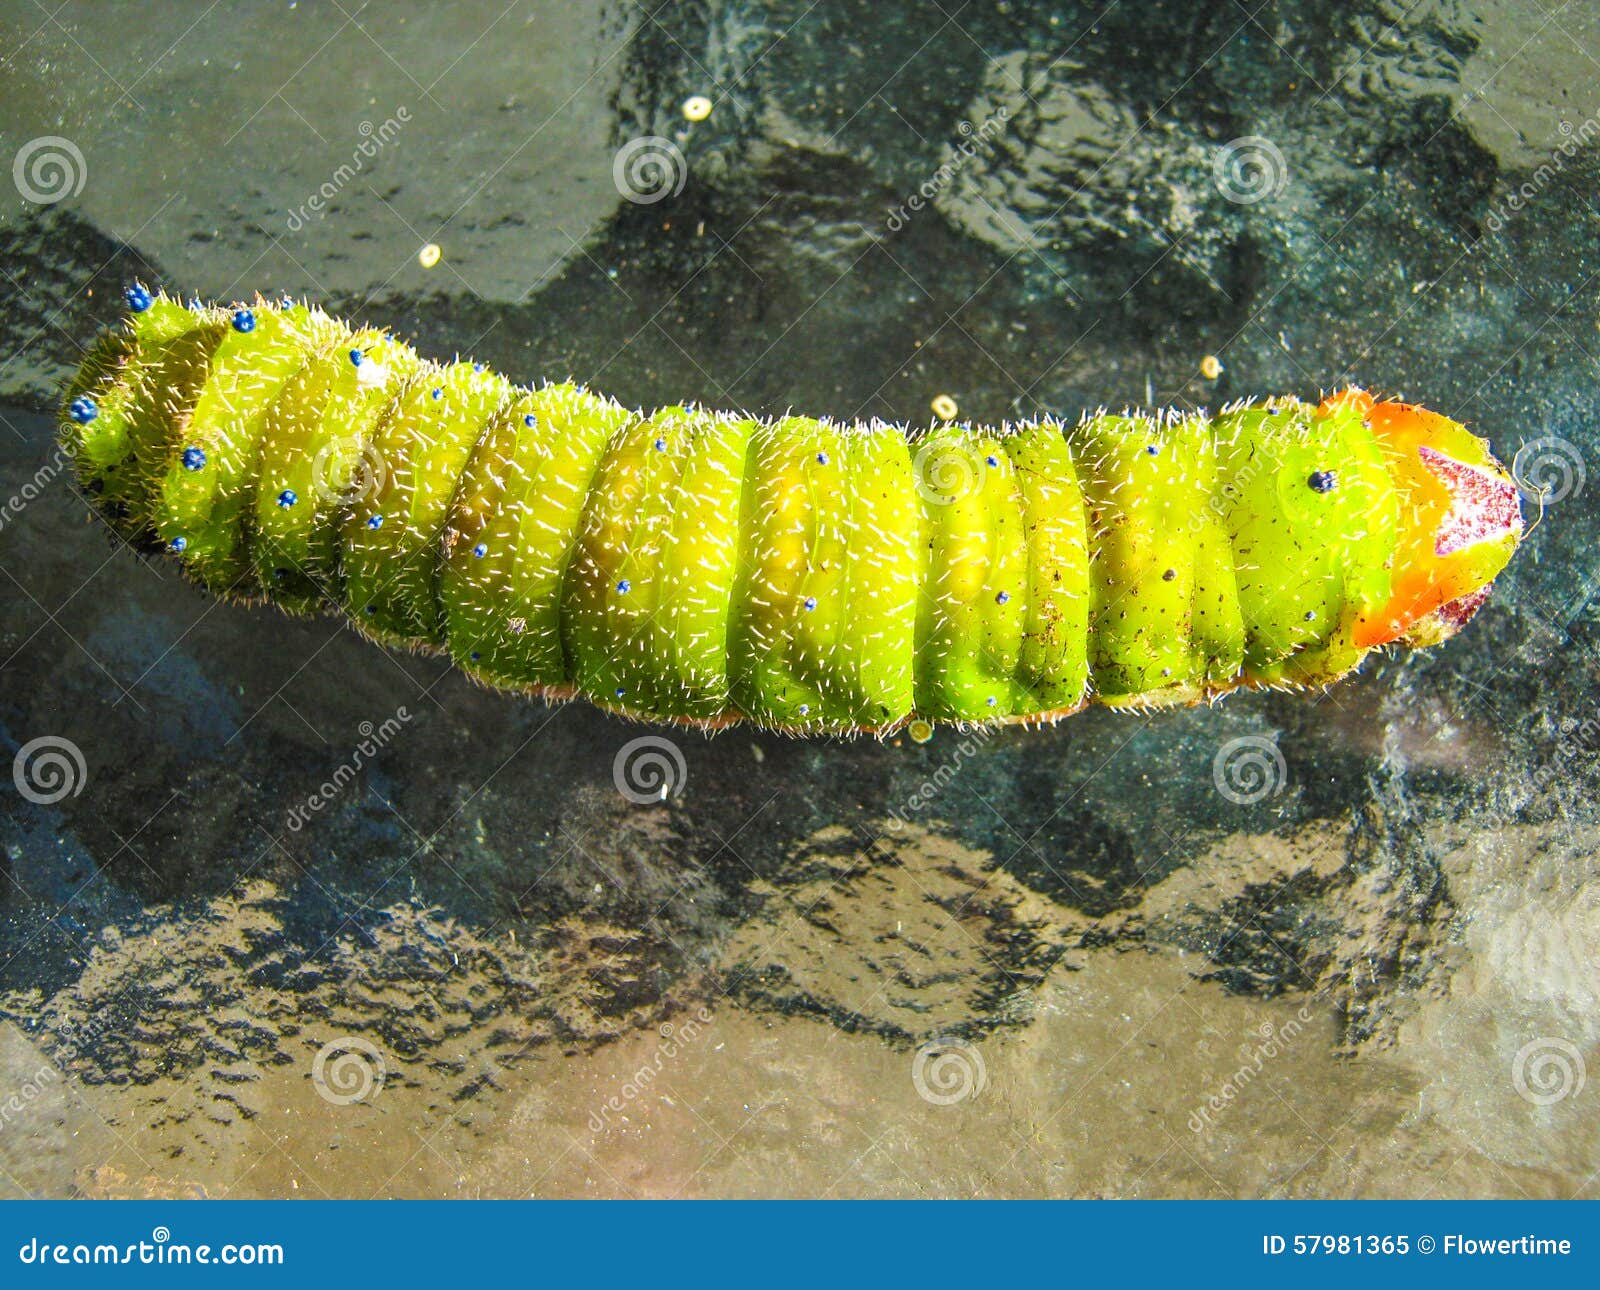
[1092, 960]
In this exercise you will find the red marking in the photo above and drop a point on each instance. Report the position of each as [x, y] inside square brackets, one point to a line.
[1459, 612]
[1482, 506]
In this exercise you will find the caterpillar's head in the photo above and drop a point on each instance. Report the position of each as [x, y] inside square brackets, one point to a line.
[1460, 520]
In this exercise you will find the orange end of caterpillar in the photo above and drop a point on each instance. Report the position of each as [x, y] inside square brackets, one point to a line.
[1460, 520]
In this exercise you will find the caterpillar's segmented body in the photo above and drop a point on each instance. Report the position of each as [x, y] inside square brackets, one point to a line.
[703, 567]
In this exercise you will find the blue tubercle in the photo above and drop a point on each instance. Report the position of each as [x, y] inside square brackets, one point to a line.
[138, 298]
[83, 410]
[243, 320]
[287, 498]
[194, 458]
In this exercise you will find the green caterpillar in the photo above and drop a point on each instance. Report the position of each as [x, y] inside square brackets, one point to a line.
[706, 568]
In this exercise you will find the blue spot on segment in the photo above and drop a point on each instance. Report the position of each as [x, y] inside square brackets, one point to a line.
[624, 586]
[661, 445]
[992, 462]
[530, 420]
[477, 367]
[287, 498]
[993, 702]
[177, 545]
[822, 459]
[437, 392]
[1323, 481]
[1153, 450]
[243, 320]
[811, 602]
[1002, 597]
[83, 410]
[138, 298]
[804, 708]
[621, 691]
[375, 522]
[194, 458]
[474, 656]
[480, 550]
[356, 356]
